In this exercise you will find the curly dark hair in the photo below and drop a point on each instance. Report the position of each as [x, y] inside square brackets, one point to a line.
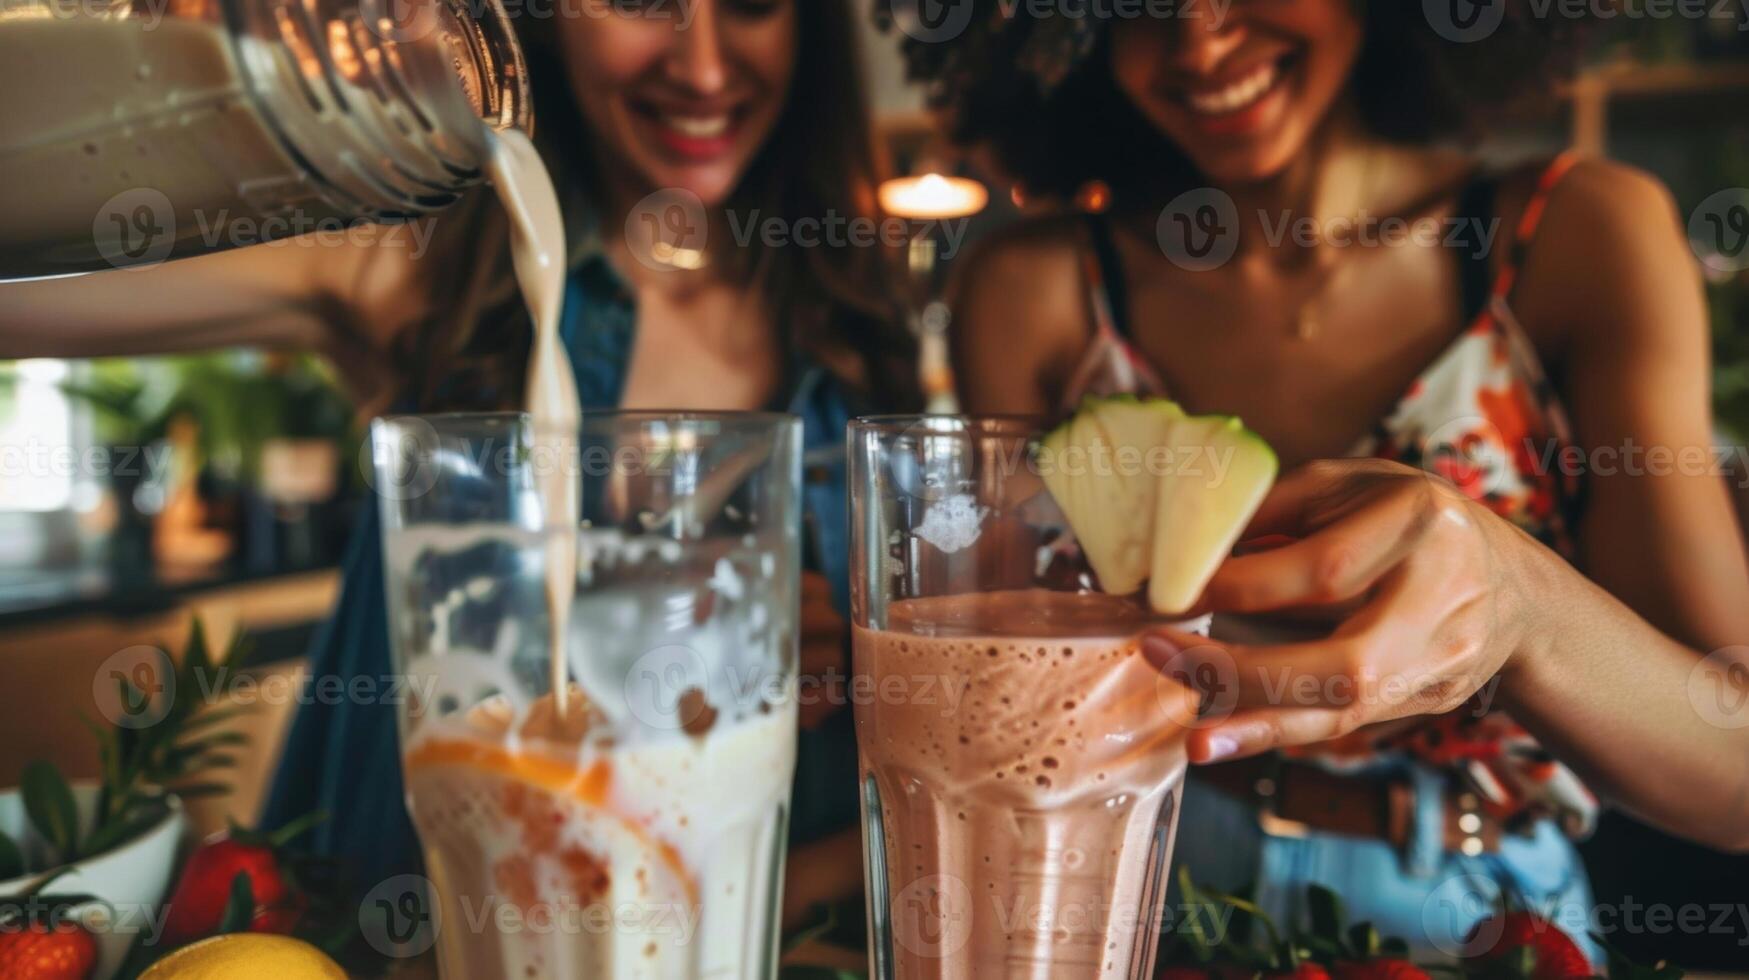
[1038, 91]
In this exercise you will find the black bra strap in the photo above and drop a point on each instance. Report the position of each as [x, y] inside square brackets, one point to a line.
[1109, 286]
[1475, 208]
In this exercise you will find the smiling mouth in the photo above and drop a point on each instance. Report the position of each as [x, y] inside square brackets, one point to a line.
[1233, 97]
[692, 133]
[698, 127]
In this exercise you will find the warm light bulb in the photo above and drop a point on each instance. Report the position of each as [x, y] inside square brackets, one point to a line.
[933, 195]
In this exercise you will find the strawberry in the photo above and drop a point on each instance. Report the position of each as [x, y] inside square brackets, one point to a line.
[1384, 968]
[208, 885]
[38, 951]
[1555, 955]
[1305, 971]
[197, 906]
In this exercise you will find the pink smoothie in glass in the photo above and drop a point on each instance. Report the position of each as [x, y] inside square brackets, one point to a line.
[1027, 761]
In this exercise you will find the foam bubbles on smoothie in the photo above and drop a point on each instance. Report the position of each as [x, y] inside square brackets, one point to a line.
[1061, 759]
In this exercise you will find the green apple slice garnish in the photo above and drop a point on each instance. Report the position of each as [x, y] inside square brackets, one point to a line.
[1095, 465]
[1154, 495]
[1201, 510]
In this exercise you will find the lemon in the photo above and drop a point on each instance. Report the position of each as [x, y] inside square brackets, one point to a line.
[245, 955]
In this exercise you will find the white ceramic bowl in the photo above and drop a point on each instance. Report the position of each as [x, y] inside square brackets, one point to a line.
[130, 881]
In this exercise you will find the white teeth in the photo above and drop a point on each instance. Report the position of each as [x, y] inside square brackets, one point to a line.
[1239, 95]
[697, 127]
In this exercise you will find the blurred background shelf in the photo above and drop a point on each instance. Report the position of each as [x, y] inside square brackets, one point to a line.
[1675, 94]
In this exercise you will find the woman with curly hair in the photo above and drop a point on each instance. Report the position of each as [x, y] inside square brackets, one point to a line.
[1293, 232]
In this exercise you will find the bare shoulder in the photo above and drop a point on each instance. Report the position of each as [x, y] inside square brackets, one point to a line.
[1037, 251]
[1608, 257]
[1024, 279]
[1020, 314]
[1603, 208]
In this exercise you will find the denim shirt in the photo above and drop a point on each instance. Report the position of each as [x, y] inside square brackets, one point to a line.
[343, 758]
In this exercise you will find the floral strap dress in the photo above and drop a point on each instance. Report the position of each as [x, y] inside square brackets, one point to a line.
[1483, 416]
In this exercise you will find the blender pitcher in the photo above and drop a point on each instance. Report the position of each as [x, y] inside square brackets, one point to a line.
[138, 131]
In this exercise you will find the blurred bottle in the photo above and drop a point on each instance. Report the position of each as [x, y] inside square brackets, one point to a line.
[137, 131]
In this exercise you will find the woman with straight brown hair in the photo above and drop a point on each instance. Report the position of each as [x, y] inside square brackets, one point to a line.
[741, 111]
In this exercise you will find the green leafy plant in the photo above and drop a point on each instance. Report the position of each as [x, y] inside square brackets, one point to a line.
[831, 924]
[1722, 160]
[1728, 300]
[141, 767]
[11, 859]
[240, 400]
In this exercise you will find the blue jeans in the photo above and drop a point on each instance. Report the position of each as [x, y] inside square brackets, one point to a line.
[1425, 895]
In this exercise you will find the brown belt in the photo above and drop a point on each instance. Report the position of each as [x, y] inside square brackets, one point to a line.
[1293, 798]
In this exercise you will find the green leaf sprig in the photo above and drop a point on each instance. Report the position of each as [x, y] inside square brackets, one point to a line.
[140, 767]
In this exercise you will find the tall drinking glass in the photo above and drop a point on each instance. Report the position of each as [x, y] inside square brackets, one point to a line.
[634, 825]
[1021, 761]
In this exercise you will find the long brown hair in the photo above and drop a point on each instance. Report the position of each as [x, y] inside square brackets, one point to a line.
[832, 303]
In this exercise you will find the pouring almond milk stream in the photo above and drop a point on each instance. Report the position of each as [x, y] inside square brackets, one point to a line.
[537, 245]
